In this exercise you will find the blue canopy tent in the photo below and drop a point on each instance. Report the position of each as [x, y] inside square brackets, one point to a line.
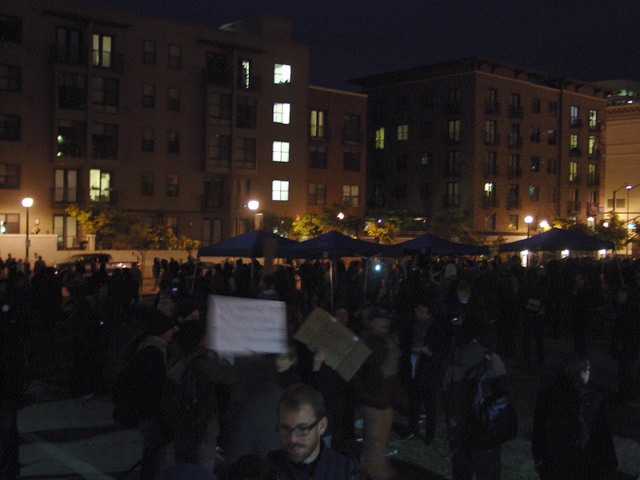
[249, 244]
[557, 239]
[334, 245]
[432, 245]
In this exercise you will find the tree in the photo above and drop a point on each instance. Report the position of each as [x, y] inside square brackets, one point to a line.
[615, 231]
[277, 224]
[338, 218]
[103, 220]
[455, 226]
[305, 227]
[382, 230]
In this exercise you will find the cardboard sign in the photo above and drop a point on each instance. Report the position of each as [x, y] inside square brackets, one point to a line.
[343, 350]
[244, 326]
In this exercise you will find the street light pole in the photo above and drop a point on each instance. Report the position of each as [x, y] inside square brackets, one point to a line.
[27, 203]
[528, 219]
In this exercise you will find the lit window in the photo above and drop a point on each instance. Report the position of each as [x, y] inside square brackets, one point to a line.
[280, 151]
[403, 132]
[573, 141]
[102, 50]
[280, 190]
[593, 119]
[425, 159]
[573, 171]
[281, 113]
[317, 123]
[592, 146]
[281, 73]
[380, 138]
[99, 185]
[534, 193]
[351, 194]
[454, 130]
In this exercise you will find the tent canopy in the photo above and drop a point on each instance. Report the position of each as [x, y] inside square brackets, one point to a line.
[432, 245]
[249, 244]
[557, 239]
[333, 245]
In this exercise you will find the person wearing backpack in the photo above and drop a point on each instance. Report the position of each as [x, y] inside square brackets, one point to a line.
[137, 391]
[571, 437]
[189, 408]
[469, 453]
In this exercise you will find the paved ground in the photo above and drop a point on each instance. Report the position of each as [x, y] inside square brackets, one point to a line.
[70, 438]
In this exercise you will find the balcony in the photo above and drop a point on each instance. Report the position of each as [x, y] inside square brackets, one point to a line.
[451, 171]
[452, 108]
[490, 202]
[573, 207]
[351, 136]
[514, 172]
[108, 196]
[575, 152]
[593, 180]
[575, 123]
[515, 111]
[218, 77]
[252, 84]
[320, 133]
[108, 60]
[451, 141]
[451, 201]
[513, 203]
[593, 208]
[72, 57]
[491, 106]
[63, 196]
[515, 141]
[574, 179]
[492, 139]
[211, 202]
[490, 170]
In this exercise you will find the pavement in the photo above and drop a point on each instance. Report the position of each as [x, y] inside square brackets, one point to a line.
[76, 438]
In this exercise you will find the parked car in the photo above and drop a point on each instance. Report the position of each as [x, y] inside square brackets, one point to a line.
[67, 266]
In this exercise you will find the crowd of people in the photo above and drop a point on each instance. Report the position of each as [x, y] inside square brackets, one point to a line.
[427, 321]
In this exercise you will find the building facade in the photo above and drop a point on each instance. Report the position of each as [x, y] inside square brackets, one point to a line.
[337, 150]
[181, 123]
[486, 142]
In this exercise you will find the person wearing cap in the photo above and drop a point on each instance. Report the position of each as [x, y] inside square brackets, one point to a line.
[377, 389]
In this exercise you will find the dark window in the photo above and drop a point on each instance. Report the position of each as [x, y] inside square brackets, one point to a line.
[175, 53]
[149, 52]
[214, 193]
[10, 127]
[10, 29]
[220, 108]
[317, 194]
[219, 151]
[318, 157]
[553, 108]
[174, 99]
[148, 95]
[148, 140]
[173, 142]
[245, 153]
[72, 139]
[72, 91]
[173, 187]
[104, 141]
[534, 166]
[351, 131]
[9, 223]
[351, 161]
[535, 105]
[104, 94]
[10, 78]
[146, 183]
[9, 176]
[246, 111]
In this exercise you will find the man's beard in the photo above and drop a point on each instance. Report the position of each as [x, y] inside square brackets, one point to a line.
[298, 453]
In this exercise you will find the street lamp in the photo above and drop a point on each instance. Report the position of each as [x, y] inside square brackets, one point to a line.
[629, 188]
[27, 203]
[544, 224]
[528, 220]
[253, 205]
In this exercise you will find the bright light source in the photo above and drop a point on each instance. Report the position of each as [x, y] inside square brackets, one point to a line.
[628, 187]
[565, 253]
[379, 220]
[590, 219]
[603, 252]
[544, 224]
[631, 226]
[528, 219]
[605, 224]
[253, 205]
[27, 202]
[341, 216]
[377, 268]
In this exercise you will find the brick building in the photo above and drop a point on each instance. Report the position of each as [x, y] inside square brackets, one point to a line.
[178, 122]
[487, 141]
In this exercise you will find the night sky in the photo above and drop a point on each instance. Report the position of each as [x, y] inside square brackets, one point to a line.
[580, 39]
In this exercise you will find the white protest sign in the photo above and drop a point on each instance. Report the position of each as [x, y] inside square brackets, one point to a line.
[243, 326]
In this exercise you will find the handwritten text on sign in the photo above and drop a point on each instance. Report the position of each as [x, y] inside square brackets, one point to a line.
[243, 326]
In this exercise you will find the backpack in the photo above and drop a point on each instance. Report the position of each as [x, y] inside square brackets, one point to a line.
[478, 413]
[182, 406]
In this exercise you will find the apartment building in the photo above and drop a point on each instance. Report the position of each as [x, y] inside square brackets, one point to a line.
[337, 150]
[181, 123]
[485, 141]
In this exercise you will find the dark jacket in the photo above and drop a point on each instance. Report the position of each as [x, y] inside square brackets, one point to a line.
[329, 465]
[571, 437]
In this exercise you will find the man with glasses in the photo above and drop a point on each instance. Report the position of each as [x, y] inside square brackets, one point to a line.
[301, 423]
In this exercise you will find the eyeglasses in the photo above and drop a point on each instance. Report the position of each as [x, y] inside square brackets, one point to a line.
[299, 430]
